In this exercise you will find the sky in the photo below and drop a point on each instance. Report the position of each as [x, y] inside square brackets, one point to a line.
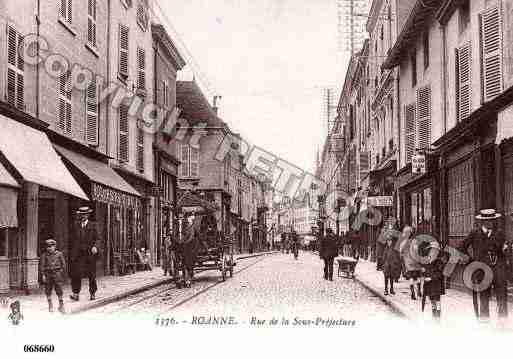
[269, 60]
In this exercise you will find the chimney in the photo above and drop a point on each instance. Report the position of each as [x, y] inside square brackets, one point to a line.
[214, 107]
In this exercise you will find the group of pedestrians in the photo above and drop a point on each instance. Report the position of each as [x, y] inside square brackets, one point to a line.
[422, 263]
[83, 257]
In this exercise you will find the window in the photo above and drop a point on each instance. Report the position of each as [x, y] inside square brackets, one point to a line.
[413, 61]
[463, 81]
[190, 161]
[142, 16]
[3, 242]
[123, 52]
[409, 131]
[92, 113]
[66, 12]
[464, 18]
[491, 40]
[91, 23]
[141, 69]
[424, 117]
[123, 133]
[425, 42]
[65, 102]
[167, 186]
[140, 150]
[15, 69]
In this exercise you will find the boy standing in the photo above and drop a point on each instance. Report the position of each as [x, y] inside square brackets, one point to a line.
[52, 266]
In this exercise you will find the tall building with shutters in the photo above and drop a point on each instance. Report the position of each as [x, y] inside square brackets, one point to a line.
[455, 93]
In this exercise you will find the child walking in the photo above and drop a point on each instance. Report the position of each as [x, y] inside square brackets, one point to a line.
[52, 266]
[434, 286]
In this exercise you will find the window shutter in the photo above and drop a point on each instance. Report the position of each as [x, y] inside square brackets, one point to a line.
[92, 114]
[15, 69]
[184, 167]
[141, 66]
[424, 117]
[491, 41]
[91, 22]
[409, 131]
[194, 153]
[464, 78]
[123, 50]
[65, 102]
[140, 150]
[123, 133]
[70, 11]
[64, 5]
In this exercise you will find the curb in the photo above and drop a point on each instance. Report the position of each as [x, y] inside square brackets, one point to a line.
[108, 300]
[398, 309]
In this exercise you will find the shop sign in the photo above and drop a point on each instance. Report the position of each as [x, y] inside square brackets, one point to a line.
[418, 164]
[107, 195]
[380, 201]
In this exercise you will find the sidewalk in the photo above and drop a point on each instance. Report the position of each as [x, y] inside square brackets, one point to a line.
[110, 289]
[457, 306]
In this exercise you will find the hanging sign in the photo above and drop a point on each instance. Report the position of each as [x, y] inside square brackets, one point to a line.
[380, 201]
[418, 164]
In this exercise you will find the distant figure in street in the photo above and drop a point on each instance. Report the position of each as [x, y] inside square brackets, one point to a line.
[328, 251]
[84, 254]
[52, 266]
[391, 264]
[489, 247]
[144, 257]
[413, 269]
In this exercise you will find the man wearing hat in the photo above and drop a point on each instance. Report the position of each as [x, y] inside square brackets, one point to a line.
[328, 251]
[83, 254]
[52, 266]
[488, 246]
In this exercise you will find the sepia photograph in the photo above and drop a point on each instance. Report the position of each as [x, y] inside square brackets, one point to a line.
[220, 178]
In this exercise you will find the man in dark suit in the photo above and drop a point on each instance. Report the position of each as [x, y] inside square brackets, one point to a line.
[84, 254]
[328, 251]
[488, 246]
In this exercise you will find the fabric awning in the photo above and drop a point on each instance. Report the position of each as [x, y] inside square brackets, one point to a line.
[8, 199]
[31, 153]
[97, 171]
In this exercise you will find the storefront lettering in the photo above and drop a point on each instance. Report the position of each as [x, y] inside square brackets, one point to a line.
[106, 195]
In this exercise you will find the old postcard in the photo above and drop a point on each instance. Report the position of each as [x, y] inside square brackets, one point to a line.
[272, 177]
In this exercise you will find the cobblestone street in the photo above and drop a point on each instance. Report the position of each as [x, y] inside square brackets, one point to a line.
[261, 287]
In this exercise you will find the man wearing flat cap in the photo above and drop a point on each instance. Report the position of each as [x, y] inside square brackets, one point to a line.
[84, 254]
[488, 247]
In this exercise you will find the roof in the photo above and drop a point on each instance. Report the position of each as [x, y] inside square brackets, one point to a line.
[195, 107]
[187, 199]
[159, 33]
[97, 171]
[31, 154]
[420, 16]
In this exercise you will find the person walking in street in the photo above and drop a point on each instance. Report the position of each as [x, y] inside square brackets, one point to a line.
[488, 246]
[52, 266]
[433, 285]
[84, 254]
[328, 251]
[391, 264]
[413, 268]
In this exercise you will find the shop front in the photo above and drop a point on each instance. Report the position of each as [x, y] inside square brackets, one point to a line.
[418, 197]
[46, 187]
[117, 210]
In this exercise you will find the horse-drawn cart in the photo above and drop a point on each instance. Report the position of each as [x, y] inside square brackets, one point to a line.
[200, 246]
